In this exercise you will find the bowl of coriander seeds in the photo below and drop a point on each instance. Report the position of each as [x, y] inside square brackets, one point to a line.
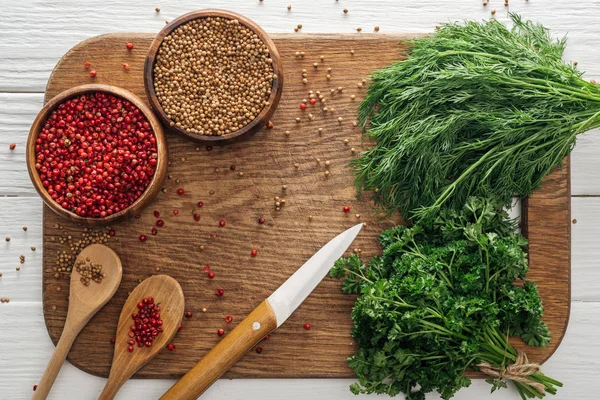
[213, 75]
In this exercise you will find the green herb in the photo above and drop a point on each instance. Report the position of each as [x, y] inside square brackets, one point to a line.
[475, 110]
[440, 300]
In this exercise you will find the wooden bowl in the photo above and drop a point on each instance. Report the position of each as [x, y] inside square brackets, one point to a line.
[266, 113]
[161, 145]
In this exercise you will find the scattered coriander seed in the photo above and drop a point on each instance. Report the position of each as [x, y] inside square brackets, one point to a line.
[53, 308]
[359, 29]
[357, 215]
[8, 238]
[58, 289]
[340, 119]
[310, 217]
[331, 109]
[345, 11]
[505, 3]
[328, 77]
[32, 248]
[359, 85]
[340, 89]
[326, 173]
[351, 51]
[25, 228]
[287, 133]
[493, 12]
[297, 54]
[485, 3]
[240, 173]
[289, 7]
[296, 165]
[352, 97]
[324, 108]
[354, 123]
[376, 29]
[284, 187]
[353, 150]
[322, 58]
[157, 9]
[204, 309]
[327, 163]
[320, 130]
[299, 26]
[329, 69]
[270, 125]
[201, 248]
[346, 141]
[305, 81]
[315, 65]
[295, 29]
[297, 119]
[301, 54]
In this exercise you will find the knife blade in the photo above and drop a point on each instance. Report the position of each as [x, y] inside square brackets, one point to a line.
[268, 316]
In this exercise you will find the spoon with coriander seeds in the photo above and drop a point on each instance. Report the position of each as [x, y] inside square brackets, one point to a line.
[149, 320]
[95, 278]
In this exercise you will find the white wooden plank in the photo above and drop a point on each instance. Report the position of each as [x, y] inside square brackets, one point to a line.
[585, 251]
[24, 285]
[585, 164]
[26, 347]
[35, 34]
[17, 112]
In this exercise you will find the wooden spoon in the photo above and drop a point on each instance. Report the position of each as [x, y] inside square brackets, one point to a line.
[166, 291]
[84, 303]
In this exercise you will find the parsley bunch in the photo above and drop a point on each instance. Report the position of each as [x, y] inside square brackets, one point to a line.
[476, 109]
[441, 299]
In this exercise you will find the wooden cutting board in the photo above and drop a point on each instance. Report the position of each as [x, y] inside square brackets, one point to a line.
[267, 161]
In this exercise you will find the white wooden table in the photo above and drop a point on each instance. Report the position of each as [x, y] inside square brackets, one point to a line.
[35, 34]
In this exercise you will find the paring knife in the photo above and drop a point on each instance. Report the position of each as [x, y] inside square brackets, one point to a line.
[268, 316]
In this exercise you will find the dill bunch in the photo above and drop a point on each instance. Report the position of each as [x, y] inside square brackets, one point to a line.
[477, 109]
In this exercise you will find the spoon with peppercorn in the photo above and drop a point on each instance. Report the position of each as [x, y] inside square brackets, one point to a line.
[95, 278]
[149, 319]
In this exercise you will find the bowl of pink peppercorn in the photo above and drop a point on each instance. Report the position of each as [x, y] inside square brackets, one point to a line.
[96, 154]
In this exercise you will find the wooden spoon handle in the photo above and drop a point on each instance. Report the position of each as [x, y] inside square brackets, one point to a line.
[259, 323]
[56, 361]
[110, 389]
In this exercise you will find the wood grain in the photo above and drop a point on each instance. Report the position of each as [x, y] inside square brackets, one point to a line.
[168, 294]
[259, 323]
[84, 303]
[287, 238]
[277, 86]
[161, 149]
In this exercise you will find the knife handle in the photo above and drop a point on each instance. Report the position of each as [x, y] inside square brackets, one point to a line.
[258, 324]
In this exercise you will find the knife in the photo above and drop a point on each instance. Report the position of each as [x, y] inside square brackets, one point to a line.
[264, 319]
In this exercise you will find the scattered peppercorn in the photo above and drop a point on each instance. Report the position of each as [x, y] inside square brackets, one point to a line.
[259, 350]
[180, 191]
[219, 292]
[12, 146]
[93, 73]
[376, 29]
[254, 252]
[222, 223]
[261, 220]
[125, 66]
[307, 327]
[171, 346]
[175, 212]
[143, 238]
[129, 46]
[228, 318]
[345, 11]
[211, 275]
[270, 124]
[220, 332]
[87, 65]
[188, 314]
